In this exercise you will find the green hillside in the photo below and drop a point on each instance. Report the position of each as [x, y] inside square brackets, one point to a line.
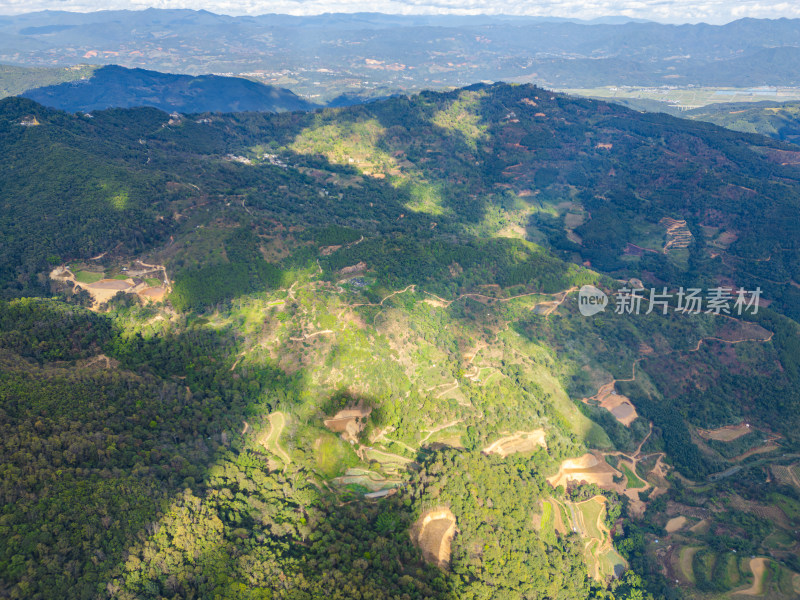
[383, 298]
[779, 120]
[15, 79]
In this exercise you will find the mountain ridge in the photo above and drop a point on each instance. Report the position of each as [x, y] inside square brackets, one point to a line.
[113, 86]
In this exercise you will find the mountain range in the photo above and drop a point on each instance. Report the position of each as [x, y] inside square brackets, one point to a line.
[326, 55]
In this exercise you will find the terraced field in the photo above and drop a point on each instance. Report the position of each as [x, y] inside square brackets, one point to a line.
[586, 519]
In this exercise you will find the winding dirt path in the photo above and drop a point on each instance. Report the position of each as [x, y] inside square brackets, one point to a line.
[451, 388]
[305, 336]
[271, 440]
[613, 382]
[411, 287]
[551, 309]
[236, 362]
[157, 267]
[99, 358]
[439, 428]
[561, 296]
[633, 493]
[639, 448]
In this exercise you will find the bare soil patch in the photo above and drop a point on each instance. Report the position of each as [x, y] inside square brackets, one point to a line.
[760, 450]
[700, 527]
[100, 360]
[591, 468]
[328, 250]
[618, 405]
[758, 566]
[433, 533]
[784, 157]
[725, 239]
[155, 294]
[116, 285]
[348, 422]
[105, 289]
[725, 434]
[436, 302]
[675, 524]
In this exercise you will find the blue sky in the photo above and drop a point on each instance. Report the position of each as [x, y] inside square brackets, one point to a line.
[672, 11]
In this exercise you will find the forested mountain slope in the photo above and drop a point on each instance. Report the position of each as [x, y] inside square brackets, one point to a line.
[112, 86]
[369, 375]
[15, 79]
[778, 120]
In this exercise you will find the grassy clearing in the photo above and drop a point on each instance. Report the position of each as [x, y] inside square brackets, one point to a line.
[357, 489]
[601, 558]
[153, 282]
[610, 562]
[334, 456]
[731, 573]
[590, 558]
[564, 517]
[633, 481]
[547, 528]
[590, 511]
[547, 515]
[387, 460]
[450, 436]
[703, 565]
[778, 540]
[686, 560]
[277, 422]
[788, 505]
[87, 276]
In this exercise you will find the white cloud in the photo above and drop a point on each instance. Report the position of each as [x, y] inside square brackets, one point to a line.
[672, 11]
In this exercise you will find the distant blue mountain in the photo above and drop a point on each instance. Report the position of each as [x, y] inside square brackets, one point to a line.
[114, 86]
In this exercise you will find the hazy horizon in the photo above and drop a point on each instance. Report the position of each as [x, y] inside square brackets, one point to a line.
[676, 12]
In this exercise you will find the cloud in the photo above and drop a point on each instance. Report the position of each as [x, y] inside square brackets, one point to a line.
[670, 11]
